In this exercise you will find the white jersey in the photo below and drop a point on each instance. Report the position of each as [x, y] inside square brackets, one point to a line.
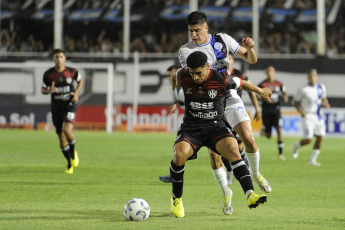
[217, 50]
[310, 98]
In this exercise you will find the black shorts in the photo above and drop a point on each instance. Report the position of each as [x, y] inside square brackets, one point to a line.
[198, 136]
[63, 114]
[271, 119]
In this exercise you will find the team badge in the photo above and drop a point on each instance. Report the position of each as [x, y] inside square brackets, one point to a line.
[69, 80]
[218, 46]
[212, 93]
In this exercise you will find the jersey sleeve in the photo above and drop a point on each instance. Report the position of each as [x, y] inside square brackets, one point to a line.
[233, 82]
[232, 44]
[77, 77]
[182, 56]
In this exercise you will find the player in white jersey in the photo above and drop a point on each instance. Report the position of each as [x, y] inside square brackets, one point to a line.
[217, 48]
[308, 101]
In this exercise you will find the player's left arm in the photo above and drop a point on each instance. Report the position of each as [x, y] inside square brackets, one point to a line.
[247, 51]
[80, 85]
[325, 103]
[265, 93]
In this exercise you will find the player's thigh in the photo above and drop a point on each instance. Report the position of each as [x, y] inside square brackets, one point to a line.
[187, 145]
[228, 148]
[320, 128]
[244, 129]
[236, 113]
[267, 122]
[57, 121]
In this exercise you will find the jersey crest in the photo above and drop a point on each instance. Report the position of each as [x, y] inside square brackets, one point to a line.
[212, 93]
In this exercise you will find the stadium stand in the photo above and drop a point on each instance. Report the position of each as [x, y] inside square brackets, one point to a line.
[158, 26]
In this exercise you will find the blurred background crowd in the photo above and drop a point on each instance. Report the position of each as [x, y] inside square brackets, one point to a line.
[158, 26]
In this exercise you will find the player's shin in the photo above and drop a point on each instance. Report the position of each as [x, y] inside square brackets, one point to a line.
[176, 173]
[242, 175]
[66, 152]
[254, 161]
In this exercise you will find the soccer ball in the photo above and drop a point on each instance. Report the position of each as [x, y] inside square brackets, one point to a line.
[136, 209]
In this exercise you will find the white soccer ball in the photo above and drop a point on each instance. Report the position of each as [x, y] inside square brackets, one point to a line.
[136, 209]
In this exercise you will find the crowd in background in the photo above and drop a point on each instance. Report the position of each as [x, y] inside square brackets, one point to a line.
[166, 36]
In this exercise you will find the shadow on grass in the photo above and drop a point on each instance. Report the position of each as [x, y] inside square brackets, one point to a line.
[73, 215]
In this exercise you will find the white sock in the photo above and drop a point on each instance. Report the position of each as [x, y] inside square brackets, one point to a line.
[220, 177]
[254, 160]
[314, 154]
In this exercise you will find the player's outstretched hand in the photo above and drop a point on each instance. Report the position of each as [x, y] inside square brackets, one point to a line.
[266, 94]
[248, 43]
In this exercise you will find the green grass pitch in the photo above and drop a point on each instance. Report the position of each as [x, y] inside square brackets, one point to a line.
[35, 193]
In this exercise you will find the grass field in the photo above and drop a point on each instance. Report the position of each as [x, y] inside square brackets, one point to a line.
[35, 193]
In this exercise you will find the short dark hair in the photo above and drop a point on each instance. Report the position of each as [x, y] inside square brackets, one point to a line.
[311, 70]
[196, 17]
[173, 67]
[196, 59]
[55, 51]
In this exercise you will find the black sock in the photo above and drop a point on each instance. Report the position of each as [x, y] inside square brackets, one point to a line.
[242, 175]
[71, 147]
[280, 147]
[176, 173]
[243, 155]
[66, 152]
[227, 165]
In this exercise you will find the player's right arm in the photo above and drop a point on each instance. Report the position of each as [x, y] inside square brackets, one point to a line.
[297, 102]
[48, 89]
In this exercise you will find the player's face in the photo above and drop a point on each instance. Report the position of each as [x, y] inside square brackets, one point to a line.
[270, 71]
[59, 59]
[199, 33]
[312, 78]
[172, 77]
[200, 74]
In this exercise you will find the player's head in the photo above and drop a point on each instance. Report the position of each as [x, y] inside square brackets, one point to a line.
[198, 28]
[59, 57]
[270, 72]
[198, 66]
[171, 73]
[312, 77]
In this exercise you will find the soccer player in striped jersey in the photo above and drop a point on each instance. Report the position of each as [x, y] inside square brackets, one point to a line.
[271, 115]
[217, 48]
[203, 124]
[308, 101]
[59, 81]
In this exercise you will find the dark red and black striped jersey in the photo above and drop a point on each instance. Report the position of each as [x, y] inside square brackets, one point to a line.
[204, 102]
[277, 89]
[65, 83]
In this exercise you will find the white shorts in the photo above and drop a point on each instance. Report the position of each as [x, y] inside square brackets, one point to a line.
[235, 113]
[312, 125]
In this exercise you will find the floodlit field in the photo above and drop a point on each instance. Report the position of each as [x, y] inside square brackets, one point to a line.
[35, 193]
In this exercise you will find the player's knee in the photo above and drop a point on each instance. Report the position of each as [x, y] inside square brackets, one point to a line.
[268, 135]
[181, 154]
